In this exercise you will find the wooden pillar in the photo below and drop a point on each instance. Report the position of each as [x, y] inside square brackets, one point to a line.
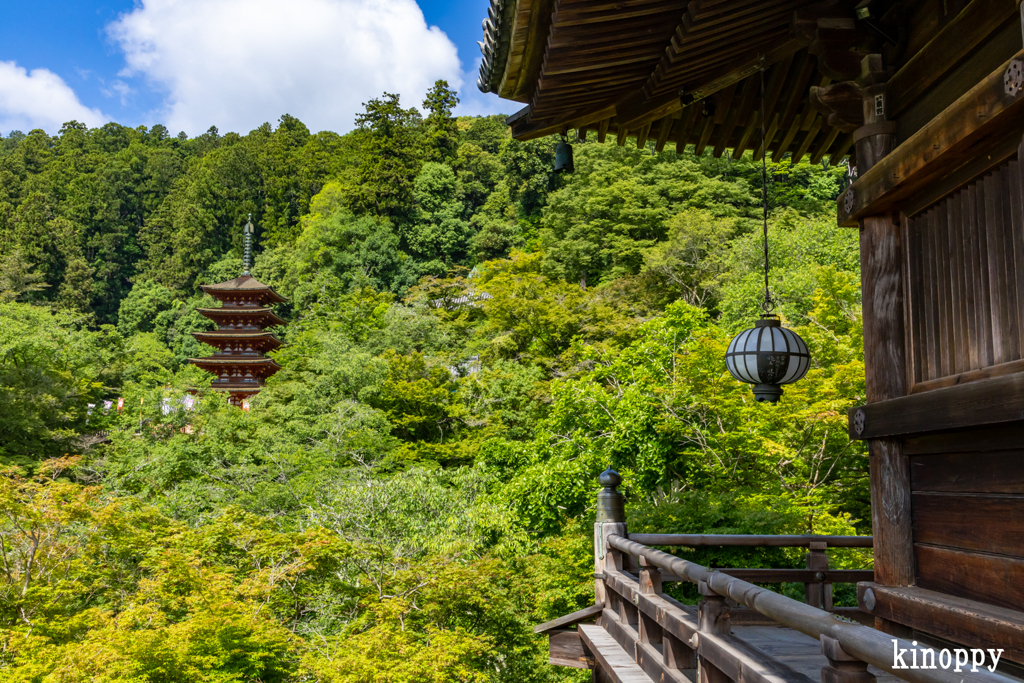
[712, 617]
[881, 261]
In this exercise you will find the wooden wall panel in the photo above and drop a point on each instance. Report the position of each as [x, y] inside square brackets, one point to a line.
[965, 260]
[978, 440]
[995, 472]
[992, 523]
[968, 512]
[994, 579]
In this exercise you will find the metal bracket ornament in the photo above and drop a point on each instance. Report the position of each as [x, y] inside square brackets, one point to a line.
[850, 200]
[869, 600]
[859, 418]
[1013, 79]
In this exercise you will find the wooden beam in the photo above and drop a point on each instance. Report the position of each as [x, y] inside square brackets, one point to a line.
[983, 115]
[808, 139]
[636, 108]
[961, 620]
[1010, 368]
[769, 135]
[602, 129]
[823, 148]
[954, 181]
[527, 130]
[576, 617]
[664, 129]
[946, 50]
[620, 135]
[779, 73]
[985, 402]
[642, 135]
[705, 135]
[737, 114]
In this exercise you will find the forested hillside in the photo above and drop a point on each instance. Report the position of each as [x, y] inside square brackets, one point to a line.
[471, 339]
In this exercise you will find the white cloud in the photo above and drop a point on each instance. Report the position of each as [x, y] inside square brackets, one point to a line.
[120, 89]
[237, 63]
[39, 99]
[472, 102]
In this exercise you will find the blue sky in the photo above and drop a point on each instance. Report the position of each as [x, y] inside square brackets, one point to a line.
[191, 64]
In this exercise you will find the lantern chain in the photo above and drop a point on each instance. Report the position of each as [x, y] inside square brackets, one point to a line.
[768, 305]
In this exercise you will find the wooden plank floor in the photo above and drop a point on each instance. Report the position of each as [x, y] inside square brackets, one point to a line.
[799, 652]
[611, 658]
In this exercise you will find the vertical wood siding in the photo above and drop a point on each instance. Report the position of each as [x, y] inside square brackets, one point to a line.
[965, 285]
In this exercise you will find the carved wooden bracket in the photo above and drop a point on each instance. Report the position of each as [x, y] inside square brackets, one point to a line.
[842, 103]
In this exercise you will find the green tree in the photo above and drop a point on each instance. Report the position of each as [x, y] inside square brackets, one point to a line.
[50, 370]
[441, 137]
[438, 233]
[389, 162]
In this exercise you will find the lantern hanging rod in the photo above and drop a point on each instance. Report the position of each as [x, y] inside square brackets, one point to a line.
[768, 305]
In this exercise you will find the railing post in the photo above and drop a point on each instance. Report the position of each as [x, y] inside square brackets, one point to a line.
[842, 668]
[650, 584]
[611, 519]
[818, 593]
[712, 618]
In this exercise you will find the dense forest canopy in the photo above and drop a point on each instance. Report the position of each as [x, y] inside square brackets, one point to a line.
[471, 339]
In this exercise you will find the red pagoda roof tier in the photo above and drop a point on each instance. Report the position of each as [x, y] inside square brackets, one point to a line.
[223, 362]
[243, 289]
[261, 342]
[251, 317]
[230, 373]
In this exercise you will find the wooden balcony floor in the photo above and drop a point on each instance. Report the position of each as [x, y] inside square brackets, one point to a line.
[797, 651]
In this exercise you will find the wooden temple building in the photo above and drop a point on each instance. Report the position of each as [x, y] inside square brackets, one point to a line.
[240, 365]
[926, 99]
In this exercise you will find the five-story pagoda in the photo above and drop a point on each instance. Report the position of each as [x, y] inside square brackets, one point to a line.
[241, 337]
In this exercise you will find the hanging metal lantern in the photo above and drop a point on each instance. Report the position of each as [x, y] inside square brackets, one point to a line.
[767, 356]
[563, 157]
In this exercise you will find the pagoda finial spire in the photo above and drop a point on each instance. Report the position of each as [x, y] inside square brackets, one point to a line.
[247, 255]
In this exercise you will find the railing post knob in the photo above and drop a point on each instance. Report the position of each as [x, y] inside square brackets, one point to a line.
[610, 507]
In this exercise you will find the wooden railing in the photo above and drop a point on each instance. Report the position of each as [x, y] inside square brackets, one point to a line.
[667, 638]
[817, 578]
